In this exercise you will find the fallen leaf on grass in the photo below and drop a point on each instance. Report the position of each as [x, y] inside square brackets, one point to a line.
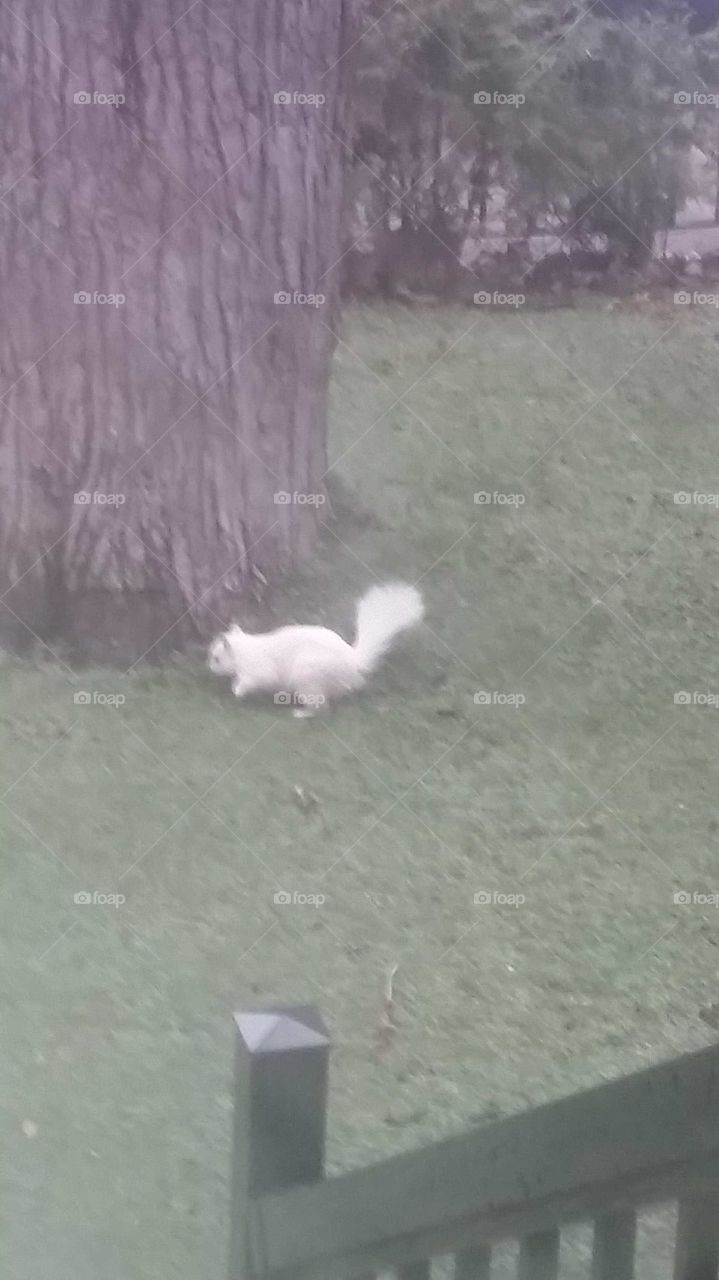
[710, 1015]
[387, 1028]
[307, 801]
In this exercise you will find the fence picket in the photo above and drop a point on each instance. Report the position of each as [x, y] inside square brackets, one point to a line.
[614, 1243]
[414, 1270]
[696, 1254]
[473, 1264]
[539, 1256]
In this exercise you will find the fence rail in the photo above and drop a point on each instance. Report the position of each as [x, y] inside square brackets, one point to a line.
[597, 1156]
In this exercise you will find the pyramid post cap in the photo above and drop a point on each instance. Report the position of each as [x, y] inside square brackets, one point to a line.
[282, 1029]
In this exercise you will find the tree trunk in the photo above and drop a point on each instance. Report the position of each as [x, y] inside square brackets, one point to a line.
[144, 441]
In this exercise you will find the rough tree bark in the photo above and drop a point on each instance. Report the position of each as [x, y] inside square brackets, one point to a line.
[178, 414]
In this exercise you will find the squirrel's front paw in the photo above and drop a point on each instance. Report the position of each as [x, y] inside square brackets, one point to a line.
[239, 688]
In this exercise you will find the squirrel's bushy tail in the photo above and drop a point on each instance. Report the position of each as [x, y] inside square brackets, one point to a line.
[381, 614]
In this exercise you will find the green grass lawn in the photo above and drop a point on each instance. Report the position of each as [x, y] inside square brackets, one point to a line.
[596, 600]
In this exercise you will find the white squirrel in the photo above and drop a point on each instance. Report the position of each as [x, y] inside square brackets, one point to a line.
[307, 666]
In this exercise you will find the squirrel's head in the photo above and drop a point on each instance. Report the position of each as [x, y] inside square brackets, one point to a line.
[222, 655]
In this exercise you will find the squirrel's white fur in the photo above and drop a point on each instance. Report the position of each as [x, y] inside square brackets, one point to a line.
[310, 665]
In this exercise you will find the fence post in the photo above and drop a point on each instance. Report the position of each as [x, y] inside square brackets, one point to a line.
[474, 1263]
[539, 1256]
[614, 1245]
[696, 1254]
[280, 1099]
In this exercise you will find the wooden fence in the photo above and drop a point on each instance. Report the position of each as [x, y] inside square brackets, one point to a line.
[597, 1157]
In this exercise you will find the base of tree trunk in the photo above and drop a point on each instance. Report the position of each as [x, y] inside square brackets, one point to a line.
[108, 629]
[120, 630]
